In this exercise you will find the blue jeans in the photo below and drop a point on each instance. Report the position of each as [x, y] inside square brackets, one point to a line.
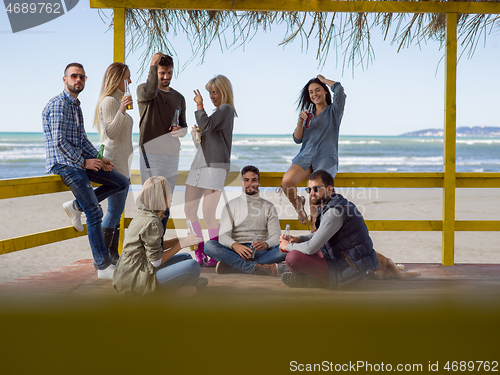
[230, 257]
[78, 180]
[116, 205]
[179, 270]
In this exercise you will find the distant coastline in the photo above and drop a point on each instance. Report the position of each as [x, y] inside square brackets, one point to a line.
[463, 131]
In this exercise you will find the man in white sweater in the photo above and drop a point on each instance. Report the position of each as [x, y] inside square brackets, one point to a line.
[249, 232]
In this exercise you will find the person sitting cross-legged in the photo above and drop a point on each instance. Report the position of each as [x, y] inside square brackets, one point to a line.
[249, 232]
[340, 253]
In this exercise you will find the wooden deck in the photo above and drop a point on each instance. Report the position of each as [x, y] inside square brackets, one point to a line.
[461, 282]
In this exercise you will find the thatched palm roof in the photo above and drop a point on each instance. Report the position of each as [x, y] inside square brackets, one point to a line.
[349, 33]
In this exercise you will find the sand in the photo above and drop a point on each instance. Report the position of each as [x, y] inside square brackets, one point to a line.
[22, 216]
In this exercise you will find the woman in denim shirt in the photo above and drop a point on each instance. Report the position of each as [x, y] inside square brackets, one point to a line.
[319, 141]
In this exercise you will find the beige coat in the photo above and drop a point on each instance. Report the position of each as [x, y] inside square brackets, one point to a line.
[134, 272]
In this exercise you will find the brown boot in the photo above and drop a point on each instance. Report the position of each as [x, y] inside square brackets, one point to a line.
[266, 269]
[223, 268]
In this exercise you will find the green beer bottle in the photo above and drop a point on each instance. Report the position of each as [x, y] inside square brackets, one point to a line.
[100, 154]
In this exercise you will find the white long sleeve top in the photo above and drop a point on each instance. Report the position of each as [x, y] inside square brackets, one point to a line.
[248, 214]
[116, 133]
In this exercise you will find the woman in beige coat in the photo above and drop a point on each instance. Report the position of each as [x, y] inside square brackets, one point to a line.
[147, 262]
[114, 125]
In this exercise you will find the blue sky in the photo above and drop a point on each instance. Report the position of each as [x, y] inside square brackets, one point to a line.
[399, 92]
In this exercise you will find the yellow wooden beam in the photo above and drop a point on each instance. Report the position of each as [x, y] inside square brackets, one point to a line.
[477, 226]
[23, 187]
[404, 225]
[306, 6]
[10, 245]
[477, 180]
[450, 135]
[369, 180]
[119, 35]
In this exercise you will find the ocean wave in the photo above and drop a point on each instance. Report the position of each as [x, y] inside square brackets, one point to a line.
[263, 142]
[23, 154]
[360, 160]
[437, 140]
[12, 145]
[478, 141]
[359, 142]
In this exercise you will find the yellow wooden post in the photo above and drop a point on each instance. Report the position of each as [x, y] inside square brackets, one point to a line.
[119, 56]
[119, 35]
[450, 135]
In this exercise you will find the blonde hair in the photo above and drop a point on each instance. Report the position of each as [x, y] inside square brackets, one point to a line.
[112, 78]
[225, 88]
[155, 194]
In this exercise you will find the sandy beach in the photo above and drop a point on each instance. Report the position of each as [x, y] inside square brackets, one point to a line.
[22, 216]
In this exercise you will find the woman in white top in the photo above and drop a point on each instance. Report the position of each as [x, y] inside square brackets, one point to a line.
[115, 128]
[212, 160]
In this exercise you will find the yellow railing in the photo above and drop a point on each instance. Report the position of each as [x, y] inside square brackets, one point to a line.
[22, 187]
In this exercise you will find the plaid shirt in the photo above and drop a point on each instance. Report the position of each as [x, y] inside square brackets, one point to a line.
[65, 139]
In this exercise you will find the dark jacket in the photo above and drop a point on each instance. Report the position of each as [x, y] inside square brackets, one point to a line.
[349, 252]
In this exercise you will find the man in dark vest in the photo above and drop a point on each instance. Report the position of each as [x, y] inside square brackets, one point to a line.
[340, 252]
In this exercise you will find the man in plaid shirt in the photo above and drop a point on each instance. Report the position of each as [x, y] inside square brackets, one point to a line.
[71, 155]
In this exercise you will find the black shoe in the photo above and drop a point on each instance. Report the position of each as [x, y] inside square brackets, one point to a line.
[298, 281]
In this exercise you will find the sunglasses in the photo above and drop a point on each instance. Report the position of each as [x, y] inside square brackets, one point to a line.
[314, 188]
[83, 77]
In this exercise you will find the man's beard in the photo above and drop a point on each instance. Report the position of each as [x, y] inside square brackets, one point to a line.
[318, 201]
[255, 191]
[74, 90]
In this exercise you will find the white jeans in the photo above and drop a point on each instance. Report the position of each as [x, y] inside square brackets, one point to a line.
[161, 165]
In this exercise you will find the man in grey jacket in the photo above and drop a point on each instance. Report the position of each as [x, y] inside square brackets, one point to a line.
[249, 232]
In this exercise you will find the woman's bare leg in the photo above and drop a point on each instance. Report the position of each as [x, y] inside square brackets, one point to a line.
[291, 179]
[192, 202]
[210, 201]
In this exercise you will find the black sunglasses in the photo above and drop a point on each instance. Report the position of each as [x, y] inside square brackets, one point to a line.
[314, 188]
[83, 77]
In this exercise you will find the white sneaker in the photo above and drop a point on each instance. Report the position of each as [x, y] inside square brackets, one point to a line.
[74, 215]
[107, 273]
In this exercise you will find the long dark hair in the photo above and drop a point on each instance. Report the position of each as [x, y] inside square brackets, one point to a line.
[305, 100]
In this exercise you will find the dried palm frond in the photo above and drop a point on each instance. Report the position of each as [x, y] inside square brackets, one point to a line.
[151, 29]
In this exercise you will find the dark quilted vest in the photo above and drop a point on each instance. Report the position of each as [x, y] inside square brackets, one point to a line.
[349, 252]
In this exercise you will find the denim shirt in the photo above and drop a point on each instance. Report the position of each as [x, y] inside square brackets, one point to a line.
[320, 141]
[66, 141]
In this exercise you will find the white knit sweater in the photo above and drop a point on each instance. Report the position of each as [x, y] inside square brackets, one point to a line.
[249, 214]
[116, 133]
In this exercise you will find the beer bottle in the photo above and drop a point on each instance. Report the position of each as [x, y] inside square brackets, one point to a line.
[100, 154]
[127, 93]
[286, 235]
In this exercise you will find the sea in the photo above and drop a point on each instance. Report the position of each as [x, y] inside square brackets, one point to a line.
[23, 154]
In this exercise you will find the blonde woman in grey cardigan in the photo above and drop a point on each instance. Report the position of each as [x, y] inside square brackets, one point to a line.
[114, 125]
[211, 162]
